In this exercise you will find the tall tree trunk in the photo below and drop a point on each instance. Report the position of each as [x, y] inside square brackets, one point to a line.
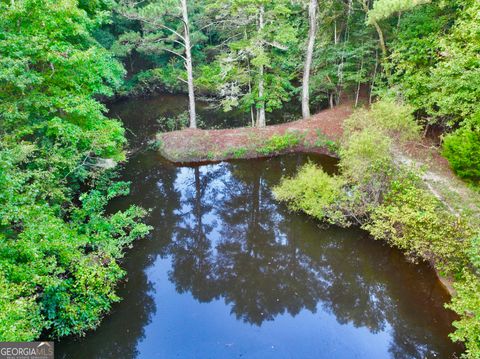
[312, 9]
[252, 108]
[261, 122]
[358, 84]
[189, 66]
[373, 77]
[381, 38]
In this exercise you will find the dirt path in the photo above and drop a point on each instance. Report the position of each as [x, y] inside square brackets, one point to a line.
[439, 178]
[314, 135]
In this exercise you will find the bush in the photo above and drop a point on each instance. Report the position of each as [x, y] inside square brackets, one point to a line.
[394, 119]
[413, 220]
[314, 192]
[278, 143]
[155, 80]
[466, 303]
[363, 152]
[462, 150]
[59, 249]
[390, 202]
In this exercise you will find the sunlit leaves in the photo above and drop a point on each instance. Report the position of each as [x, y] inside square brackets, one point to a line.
[58, 254]
[383, 9]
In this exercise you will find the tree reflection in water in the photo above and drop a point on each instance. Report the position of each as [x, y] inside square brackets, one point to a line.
[222, 237]
[235, 242]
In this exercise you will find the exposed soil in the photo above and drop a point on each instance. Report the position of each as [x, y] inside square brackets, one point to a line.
[194, 145]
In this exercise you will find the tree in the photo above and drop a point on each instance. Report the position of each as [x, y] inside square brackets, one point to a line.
[59, 250]
[345, 56]
[257, 43]
[312, 30]
[166, 27]
[373, 21]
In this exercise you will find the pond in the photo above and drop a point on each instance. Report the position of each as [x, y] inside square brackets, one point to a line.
[228, 272]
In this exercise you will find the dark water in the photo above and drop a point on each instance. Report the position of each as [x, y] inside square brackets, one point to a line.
[229, 273]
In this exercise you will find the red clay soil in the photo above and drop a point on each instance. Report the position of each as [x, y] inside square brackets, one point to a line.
[194, 145]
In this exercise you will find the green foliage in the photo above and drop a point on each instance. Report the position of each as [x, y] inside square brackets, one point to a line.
[345, 52]
[178, 122]
[45, 258]
[174, 123]
[239, 152]
[278, 143]
[462, 150]
[389, 201]
[466, 303]
[393, 119]
[314, 192]
[20, 318]
[324, 141]
[253, 58]
[413, 220]
[364, 152]
[366, 157]
[58, 247]
[383, 9]
[436, 63]
[155, 80]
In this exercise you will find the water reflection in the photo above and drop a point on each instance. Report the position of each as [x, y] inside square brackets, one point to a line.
[229, 272]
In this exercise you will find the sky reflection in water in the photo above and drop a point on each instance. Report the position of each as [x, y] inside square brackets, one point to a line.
[228, 272]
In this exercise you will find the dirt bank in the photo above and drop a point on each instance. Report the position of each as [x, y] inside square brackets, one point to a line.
[316, 135]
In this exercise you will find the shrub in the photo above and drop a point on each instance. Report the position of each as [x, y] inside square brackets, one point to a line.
[391, 203]
[363, 152]
[413, 220]
[323, 141]
[314, 192]
[466, 303]
[239, 152]
[278, 143]
[155, 80]
[394, 119]
[462, 150]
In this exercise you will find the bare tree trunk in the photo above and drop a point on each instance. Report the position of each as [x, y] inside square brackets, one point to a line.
[252, 110]
[335, 40]
[358, 85]
[312, 9]
[381, 38]
[261, 122]
[373, 77]
[189, 66]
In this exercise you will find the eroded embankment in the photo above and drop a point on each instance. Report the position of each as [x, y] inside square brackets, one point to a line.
[316, 135]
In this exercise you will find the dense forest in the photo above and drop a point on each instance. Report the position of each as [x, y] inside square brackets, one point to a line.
[411, 67]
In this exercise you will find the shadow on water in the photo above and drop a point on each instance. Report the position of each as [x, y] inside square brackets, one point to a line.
[229, 272]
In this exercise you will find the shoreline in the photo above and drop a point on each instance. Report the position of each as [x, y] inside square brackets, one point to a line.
[318, 134]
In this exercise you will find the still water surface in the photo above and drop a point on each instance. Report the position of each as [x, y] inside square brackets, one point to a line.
[228, 272]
